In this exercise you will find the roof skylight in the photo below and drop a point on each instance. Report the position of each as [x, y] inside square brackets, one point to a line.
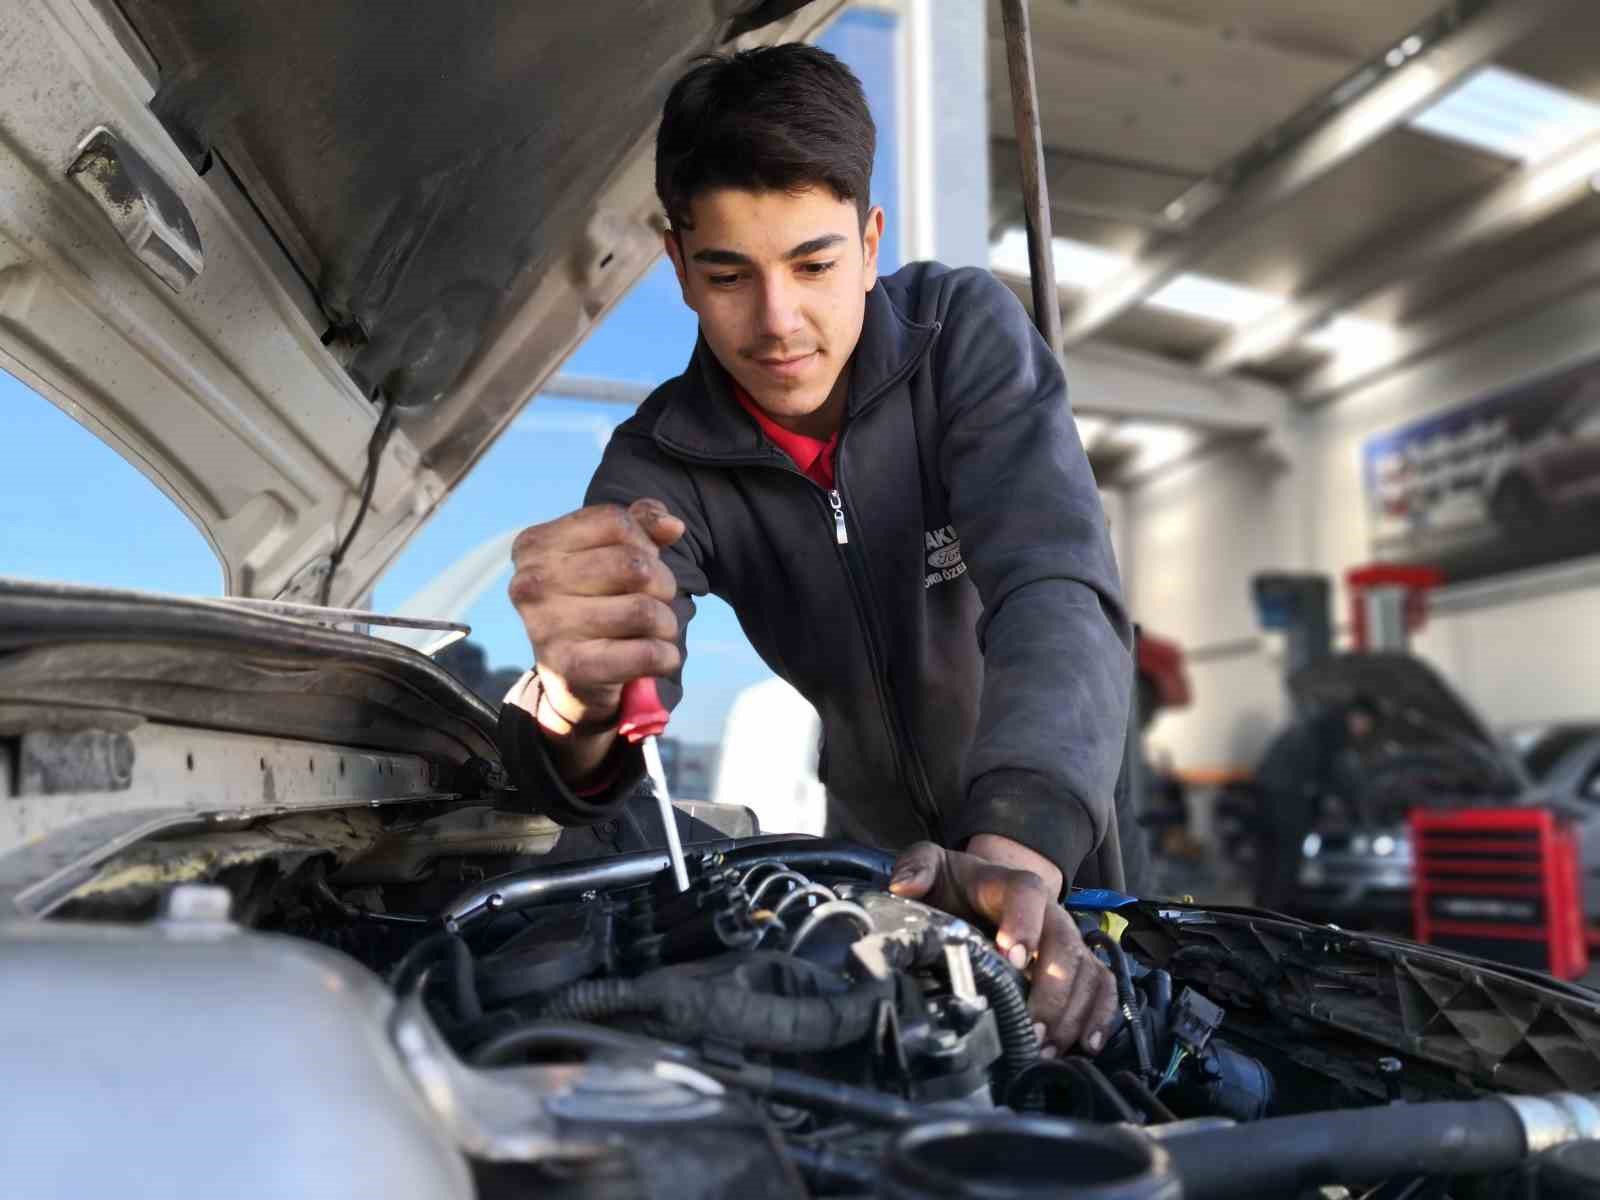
[1214, 300]
[1510, 115]
[1078, 264]
[1083, 267]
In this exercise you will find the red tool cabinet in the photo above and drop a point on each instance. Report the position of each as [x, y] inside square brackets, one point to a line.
[1500, 883]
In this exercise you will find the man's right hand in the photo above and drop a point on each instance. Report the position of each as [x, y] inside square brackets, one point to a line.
[595, 598]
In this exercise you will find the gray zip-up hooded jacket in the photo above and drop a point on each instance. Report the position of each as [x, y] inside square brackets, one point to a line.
[952, 609]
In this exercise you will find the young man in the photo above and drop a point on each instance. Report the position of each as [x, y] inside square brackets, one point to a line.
[883, 478]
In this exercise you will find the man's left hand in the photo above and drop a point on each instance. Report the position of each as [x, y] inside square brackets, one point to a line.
[1073, 997]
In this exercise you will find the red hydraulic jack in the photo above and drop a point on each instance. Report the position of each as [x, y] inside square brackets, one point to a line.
[1388, 603]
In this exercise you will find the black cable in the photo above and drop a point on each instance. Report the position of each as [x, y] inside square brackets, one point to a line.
[997, 981]
[570, 1035]
[843, 1099]
[1142, 1098]
[828, 1171]
[1089, 1091]
[1100, 939]
[376, 445]
[777, 1083]
[357, 913]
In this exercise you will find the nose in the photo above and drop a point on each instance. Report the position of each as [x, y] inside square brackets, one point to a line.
[779, 316]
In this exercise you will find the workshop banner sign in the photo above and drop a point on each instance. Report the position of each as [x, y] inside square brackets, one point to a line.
[1501, 483]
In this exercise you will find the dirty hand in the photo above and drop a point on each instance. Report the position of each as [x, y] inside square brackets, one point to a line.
[595, 598]
[1073, 997]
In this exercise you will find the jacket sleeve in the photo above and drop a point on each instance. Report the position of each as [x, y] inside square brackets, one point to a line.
[631, 469]
[1056, 640]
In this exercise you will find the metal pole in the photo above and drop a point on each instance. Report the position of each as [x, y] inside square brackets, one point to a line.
[1030, 147]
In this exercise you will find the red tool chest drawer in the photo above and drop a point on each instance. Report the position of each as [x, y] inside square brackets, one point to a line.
[1500, 883]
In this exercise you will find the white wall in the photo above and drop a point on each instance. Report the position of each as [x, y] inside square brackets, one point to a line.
[1197, 534]
[1521, 649]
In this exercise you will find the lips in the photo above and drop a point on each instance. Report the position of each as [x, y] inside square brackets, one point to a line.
[794, 365]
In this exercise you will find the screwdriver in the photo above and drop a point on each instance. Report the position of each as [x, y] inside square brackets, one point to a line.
[643, 720]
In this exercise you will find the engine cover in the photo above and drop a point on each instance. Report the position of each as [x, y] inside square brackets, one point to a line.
[189, 1058]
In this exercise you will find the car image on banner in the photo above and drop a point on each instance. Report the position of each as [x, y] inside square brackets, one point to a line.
[1472, 490]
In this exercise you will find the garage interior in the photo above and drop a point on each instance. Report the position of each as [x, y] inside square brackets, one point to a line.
[311, 313]
[1296, 227]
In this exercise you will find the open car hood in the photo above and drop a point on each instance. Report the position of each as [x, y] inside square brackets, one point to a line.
[1406, 690]
[230, 232]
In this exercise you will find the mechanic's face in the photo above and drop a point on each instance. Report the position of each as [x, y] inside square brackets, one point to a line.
[779, 281]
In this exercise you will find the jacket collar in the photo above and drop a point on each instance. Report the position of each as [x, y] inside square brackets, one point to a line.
[704, 423]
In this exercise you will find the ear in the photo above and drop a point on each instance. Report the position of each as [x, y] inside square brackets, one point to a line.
[871, 238]
[673, 244]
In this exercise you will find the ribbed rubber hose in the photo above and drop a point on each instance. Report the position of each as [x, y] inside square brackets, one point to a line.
[693, 1008]
[1019, 1047]
[1126, 996]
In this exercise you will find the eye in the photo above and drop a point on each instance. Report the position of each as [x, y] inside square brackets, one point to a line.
[814, 269]
[723, 280]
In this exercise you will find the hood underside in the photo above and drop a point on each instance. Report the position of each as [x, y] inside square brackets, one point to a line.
[234, 230]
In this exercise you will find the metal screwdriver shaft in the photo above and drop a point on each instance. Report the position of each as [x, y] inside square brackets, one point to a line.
[644, 719]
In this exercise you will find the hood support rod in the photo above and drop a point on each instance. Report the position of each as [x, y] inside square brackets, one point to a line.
[1035, 187]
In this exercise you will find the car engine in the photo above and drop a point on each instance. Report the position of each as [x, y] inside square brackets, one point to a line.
[785, 1028]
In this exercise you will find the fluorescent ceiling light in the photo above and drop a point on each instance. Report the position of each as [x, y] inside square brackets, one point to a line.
[1510, 115]
[1082, 267]
[1352, 337]
[1078, 264]
[1214, 300]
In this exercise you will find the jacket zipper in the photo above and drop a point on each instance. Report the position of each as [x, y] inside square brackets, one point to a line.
[841, 535]
[922, 801]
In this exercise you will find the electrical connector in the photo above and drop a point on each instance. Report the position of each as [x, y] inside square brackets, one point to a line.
[1194, 1020]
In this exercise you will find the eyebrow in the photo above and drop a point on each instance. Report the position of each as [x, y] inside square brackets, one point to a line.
[732, 258]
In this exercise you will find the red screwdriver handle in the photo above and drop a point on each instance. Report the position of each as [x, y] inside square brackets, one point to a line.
[643, 714]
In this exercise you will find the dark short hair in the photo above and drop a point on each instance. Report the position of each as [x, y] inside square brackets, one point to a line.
[781, 118]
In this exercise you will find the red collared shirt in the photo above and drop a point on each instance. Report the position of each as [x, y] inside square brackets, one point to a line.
[813, 457]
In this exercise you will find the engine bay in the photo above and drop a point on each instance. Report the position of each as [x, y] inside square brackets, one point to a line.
[787, 1028]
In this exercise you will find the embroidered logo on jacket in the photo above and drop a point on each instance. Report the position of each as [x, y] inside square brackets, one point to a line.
[944, 556]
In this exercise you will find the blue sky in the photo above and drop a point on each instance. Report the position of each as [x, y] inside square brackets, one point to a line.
[68, 502]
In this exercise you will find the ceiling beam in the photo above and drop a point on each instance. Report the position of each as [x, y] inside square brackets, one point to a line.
[1115, 382]
[1350, 130]
[1517, 202]
[1148, 187]
[1110, 381]
[1554, 276]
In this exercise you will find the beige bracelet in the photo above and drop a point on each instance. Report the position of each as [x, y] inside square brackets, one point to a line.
[541, 701]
